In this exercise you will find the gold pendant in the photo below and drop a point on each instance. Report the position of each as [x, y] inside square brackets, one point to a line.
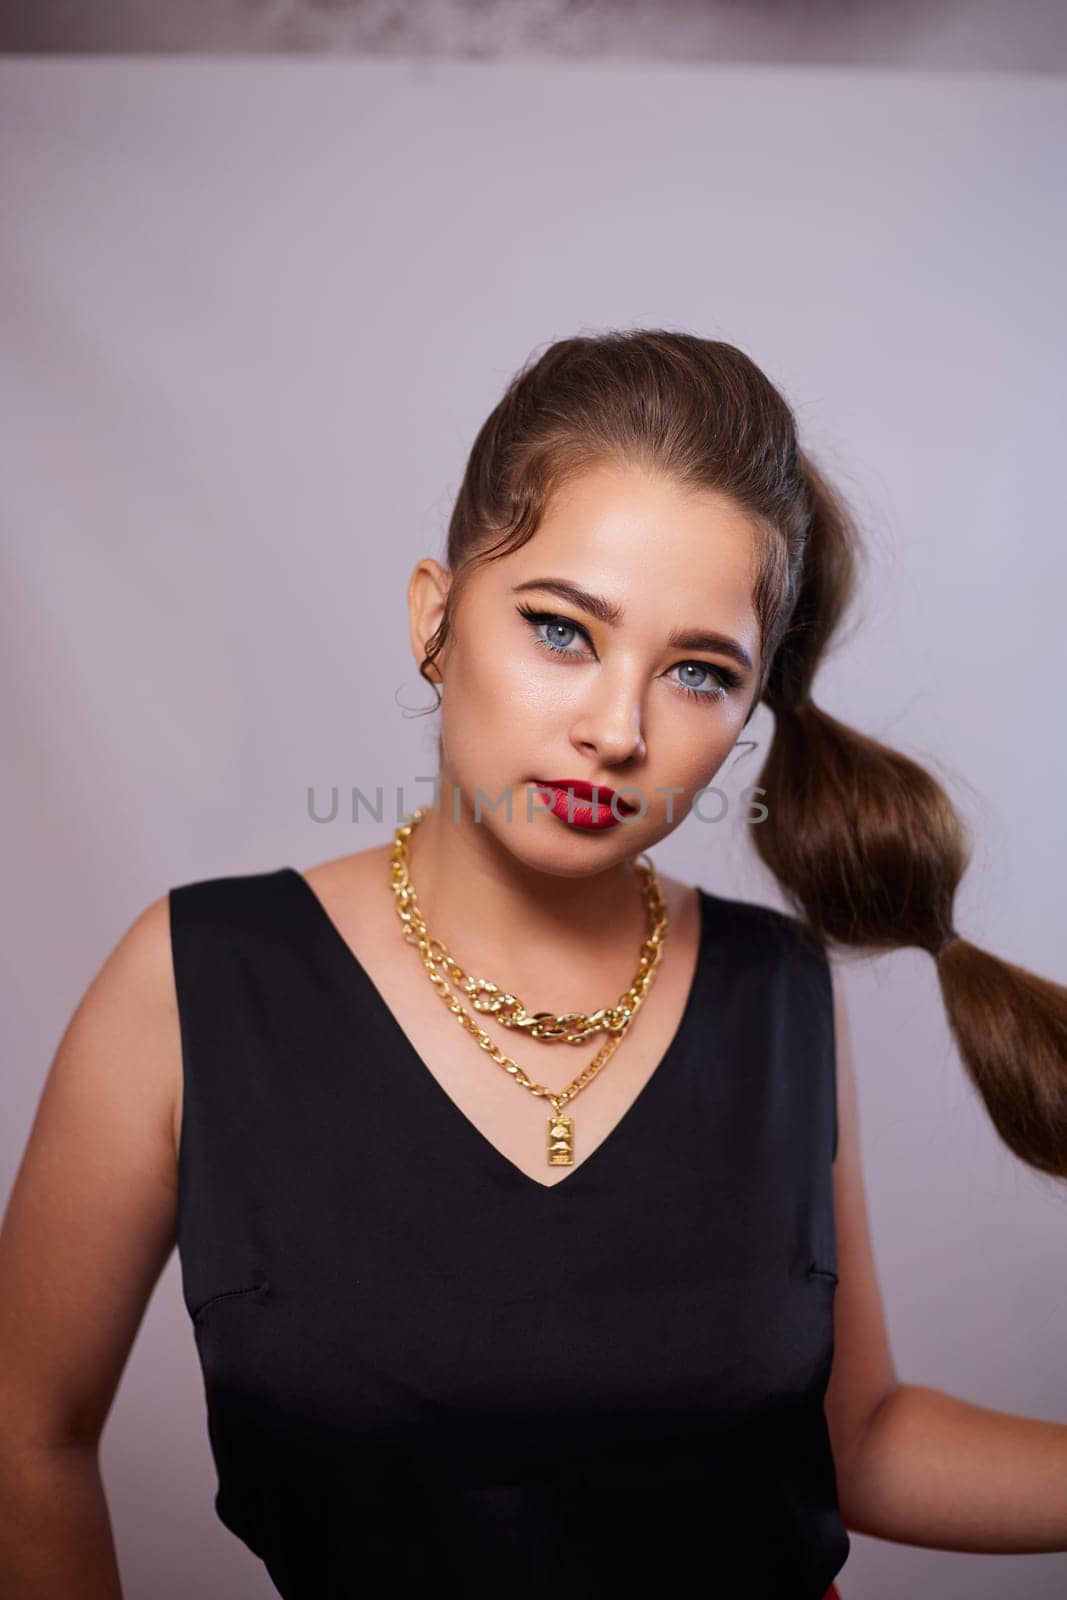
[560, 1141]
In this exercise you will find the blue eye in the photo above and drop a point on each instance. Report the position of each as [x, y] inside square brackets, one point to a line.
[723, 678]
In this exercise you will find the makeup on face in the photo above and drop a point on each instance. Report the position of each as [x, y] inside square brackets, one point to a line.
[591, 805]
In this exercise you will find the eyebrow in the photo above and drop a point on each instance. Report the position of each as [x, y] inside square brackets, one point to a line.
[609, 612]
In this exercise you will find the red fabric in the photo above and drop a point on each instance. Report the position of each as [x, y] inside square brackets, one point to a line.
[831, 1593]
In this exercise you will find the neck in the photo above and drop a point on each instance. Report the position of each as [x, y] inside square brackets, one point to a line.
[512, 923]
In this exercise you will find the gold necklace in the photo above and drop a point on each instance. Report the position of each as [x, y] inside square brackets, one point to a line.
[571, 1028]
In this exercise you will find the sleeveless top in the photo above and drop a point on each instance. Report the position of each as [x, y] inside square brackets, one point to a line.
[422, 1366]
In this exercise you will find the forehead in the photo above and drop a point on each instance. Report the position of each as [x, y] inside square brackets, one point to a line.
[639, 538]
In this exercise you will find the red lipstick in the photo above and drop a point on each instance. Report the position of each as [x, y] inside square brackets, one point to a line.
[586, 810]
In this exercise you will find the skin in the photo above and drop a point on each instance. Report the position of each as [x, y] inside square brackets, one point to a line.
[90, 1223]
[613, 712]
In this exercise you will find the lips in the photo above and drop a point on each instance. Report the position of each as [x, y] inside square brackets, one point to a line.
[596, 807]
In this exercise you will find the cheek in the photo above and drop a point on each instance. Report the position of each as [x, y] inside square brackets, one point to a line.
[519, 690]
[490, 721]
[697, 744]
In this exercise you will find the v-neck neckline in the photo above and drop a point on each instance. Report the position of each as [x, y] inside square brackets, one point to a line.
[503, 1164]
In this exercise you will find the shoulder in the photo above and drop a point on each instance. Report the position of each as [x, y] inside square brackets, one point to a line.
[207, 915]
[117, 1068]
[760, 930]
[230, 889]
[351, 890]
[358, 869]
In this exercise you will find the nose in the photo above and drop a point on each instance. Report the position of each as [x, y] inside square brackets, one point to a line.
[609, 726]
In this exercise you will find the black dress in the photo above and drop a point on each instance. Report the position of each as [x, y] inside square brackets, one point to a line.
[425, 1370]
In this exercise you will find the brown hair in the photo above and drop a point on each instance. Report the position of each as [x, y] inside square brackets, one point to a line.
[865, 843]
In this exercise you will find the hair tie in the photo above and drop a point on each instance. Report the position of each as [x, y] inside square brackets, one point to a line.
[947, 940]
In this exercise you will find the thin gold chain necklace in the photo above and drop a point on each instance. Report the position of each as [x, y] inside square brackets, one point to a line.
[570, 1028]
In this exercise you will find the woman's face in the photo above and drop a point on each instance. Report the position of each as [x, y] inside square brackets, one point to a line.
[566, 694]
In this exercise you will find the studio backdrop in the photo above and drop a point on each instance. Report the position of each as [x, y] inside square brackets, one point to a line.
[252, 313]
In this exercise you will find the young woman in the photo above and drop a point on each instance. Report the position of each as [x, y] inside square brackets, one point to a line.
[577, 1295]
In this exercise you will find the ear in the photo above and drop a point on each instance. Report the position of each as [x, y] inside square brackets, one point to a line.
[427, 592]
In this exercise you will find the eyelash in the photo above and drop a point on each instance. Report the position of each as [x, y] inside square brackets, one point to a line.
[727, 680]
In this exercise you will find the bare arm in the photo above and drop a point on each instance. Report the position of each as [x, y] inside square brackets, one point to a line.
[916, 1465]
[941, 1472]
[88, 1229]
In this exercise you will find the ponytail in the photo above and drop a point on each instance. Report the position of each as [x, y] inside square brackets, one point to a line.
[870, 850]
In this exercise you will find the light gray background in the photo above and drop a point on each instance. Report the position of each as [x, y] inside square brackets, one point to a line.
[252, 314]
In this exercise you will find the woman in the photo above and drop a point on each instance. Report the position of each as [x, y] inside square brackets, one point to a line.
[579, 1297]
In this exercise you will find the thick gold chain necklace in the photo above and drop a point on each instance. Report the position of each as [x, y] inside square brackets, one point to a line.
[570, 1028]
